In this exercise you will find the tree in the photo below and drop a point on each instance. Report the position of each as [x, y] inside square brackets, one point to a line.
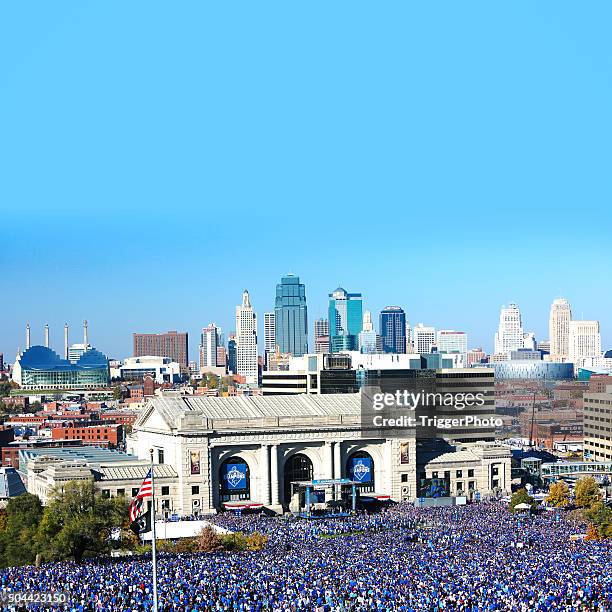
[78, 521]
[117, 394]
[208, 540]
[587, 492]
[601, 519]
[256, 541]
[522, 497]
[18, 538]
[558, 494]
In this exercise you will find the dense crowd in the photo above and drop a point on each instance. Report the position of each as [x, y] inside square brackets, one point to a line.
[474, 558]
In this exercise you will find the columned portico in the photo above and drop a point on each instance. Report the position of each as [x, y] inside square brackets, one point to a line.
[250, 449]
[275, 501]
[338, 459]
[265, 474]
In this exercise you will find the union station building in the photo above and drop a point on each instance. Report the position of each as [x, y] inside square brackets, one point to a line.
[248, 450]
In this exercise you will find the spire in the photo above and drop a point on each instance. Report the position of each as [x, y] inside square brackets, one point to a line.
[47, 335]
[27, 336]
[85, 333]
[246, 302]
[66, 341]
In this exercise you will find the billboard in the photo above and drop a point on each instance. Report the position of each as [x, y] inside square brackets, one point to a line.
[360, 469]
[433, 487]
[234, 476]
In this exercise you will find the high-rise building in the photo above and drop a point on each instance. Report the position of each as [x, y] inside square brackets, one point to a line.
[584, 341]
[208, 347]
[345, 320]
[172, 344]
[559, 329]
[231, 354]
[321, 335]
[509, 336]
[367, 336]
[424, 338]
[598, 424]
[269, 332]
[393, 329]
[291, 317]
[246, 341]
[451, 341]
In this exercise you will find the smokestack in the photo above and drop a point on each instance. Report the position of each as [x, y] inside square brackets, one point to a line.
[85, 333]
[66, 341]
[27, 336]
[47, 335]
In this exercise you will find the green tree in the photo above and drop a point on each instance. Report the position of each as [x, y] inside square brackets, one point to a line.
[522, 497]
[587, 492]
[117, 394]
[601, 518]
[78, 521]
[558, 494]
[5, 387]
[18, 538]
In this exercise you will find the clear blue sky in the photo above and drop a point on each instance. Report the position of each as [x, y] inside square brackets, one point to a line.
[157, 158]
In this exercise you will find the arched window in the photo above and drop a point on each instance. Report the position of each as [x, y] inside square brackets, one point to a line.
[360, 467]
[234, 480]
[297, 468]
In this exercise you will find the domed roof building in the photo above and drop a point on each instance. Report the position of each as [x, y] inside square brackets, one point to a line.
[39, 367]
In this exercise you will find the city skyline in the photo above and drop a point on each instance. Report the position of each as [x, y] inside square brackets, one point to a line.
[56, 341]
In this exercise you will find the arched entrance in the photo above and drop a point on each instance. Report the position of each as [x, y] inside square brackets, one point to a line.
[234, 480]
[298, 467]
[360, 467]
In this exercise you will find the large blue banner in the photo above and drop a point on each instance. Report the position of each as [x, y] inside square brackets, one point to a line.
[235, 476]
[360, 469]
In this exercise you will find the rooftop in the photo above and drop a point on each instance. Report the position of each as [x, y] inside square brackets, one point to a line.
[171, 408]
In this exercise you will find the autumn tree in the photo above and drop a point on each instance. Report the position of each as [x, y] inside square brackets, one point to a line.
[558, 494]
[587, 492]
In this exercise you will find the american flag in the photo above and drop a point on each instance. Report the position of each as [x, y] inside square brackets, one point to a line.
[145, 491]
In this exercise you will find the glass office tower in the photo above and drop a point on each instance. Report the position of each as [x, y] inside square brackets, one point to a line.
[291, 317]
[345, 320]
[393, 329]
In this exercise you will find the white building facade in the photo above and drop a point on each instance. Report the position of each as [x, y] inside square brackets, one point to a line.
[250, 449]
[246, 340]
[559, 329]
[509, 335]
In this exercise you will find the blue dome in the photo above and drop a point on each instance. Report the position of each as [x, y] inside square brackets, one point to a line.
[44, 359]
[92, 359]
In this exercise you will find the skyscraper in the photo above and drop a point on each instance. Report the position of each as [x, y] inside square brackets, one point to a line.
[424, 338]
[321, 335]
[246, 341]
[393, 329]
[171, 344]
[559, 329]
[509, 336]
[269, 332]
[290, 314]
[345, 320]
[367, 336]
[584, 341]
[231, 354]
[208, 346]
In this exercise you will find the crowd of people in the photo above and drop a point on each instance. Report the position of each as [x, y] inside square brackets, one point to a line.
[471, 558]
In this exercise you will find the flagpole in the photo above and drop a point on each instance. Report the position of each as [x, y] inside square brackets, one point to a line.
[153, 544]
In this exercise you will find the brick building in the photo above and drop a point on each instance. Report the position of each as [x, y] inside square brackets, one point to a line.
[172, 344]
[109, 434]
